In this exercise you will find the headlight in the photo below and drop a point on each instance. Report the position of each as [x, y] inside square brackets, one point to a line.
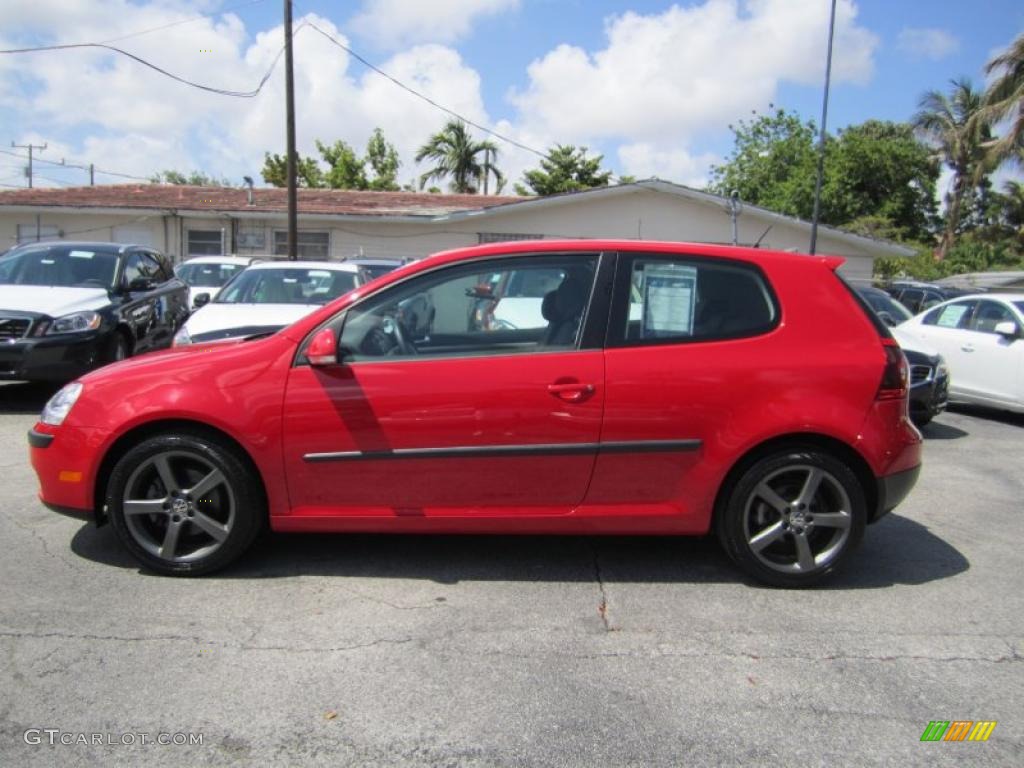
[59, 406]
[76, 323]
[181, 338]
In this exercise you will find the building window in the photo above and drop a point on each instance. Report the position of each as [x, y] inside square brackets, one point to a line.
[504, 237]
[29, 233]
[311, 245]
[205, 242]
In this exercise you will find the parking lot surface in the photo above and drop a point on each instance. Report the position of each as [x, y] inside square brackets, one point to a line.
[512, 651]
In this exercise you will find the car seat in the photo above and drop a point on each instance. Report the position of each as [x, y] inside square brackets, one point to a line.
[563, 309]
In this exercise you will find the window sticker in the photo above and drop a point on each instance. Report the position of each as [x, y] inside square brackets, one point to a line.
[669, 300]
[81, 254]
[951, 315]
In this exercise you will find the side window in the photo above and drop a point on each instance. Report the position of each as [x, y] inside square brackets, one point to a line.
[681, 299]
[133, 268]
[500, 307]
[912, 299]
[955, 315]
[151, 268]
[988, 315]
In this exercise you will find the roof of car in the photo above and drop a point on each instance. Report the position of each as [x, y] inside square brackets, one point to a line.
[336, 266]
[243, 260]
[1003, 296]
[95, 246]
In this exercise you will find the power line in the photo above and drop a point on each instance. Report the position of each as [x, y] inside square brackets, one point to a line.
[189, 20]
[140, 60]
[80, 167]
[424, 97]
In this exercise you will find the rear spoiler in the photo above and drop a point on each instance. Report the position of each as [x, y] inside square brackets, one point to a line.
[833, 262]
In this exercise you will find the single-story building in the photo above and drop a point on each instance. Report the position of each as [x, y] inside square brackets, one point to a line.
[185, 221]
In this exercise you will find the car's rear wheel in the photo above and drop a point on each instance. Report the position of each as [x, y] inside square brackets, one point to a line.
[185, 503]
[793, 517]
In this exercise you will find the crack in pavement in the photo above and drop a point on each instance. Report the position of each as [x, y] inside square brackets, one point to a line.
[602, 606]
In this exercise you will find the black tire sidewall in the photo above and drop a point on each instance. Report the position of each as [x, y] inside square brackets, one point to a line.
[250, 508]
[729, 523]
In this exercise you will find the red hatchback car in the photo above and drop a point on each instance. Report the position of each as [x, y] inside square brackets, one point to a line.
[653, 388]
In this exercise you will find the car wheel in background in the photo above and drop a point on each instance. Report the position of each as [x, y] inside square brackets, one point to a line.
[185, 503]
[793, 517]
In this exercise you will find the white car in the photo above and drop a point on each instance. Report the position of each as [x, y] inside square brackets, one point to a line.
[266, 297]
[982, 339]
[208, 274]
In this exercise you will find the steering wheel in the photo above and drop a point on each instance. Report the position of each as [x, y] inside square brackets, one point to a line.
[394, 329]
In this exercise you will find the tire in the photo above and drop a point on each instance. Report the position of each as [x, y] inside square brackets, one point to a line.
[185, 504]
[773, 522]
[120, 348]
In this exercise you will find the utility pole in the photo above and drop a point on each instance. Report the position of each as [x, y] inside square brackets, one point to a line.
[289, 87]
[92, 175]
[29, 147]
[821, 137]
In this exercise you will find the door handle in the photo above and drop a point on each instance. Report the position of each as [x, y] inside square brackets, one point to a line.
[572, 392]
[967, 348]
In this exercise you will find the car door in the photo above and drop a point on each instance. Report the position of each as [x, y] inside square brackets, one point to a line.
[471, 420]
[994, 360]
[171, 300]
[681, 329]
[138, 309]
[945, 328]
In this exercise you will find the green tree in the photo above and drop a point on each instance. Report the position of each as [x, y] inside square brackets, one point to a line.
[457, 156]
[565, 169]
[345, 168]
[193, 178]
[879, 179]
[954, 127]
[382, 157]
[307, 172]
[1004, 99]
[772, 164]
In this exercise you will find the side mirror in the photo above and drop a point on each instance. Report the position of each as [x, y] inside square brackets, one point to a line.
[201, 300]
[1007, 329]
[323, 349]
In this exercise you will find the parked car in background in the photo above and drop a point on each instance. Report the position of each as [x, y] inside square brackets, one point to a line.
[683, 406]
[917, 296]
[266, 297]
[208, 274]
[981, 337]
[929, 374]
[374, 268]
[69, 307]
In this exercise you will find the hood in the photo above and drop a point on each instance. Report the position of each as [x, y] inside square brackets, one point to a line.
[52, 301]
[219, 317]
[907, 341]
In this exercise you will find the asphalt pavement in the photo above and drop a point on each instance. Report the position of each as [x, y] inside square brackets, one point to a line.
[520, 651]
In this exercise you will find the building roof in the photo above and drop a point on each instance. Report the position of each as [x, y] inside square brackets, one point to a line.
[265, 200]
[395, 206]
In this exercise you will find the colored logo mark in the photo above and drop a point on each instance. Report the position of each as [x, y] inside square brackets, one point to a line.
[958, 730]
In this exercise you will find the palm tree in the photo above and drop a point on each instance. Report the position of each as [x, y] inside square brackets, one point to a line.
[954, 127]
[1004, 98]
[456, 154]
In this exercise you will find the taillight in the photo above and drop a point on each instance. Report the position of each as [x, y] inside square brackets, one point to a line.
[896, 374]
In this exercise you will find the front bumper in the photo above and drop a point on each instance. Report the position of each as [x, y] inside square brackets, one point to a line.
[929, 398]
[56, 358]
[65, 461]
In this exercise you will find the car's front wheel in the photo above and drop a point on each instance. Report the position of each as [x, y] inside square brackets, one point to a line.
[793, 517]
[185, 503]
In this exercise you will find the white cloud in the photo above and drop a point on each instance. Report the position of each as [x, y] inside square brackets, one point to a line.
[394, 23]
[645, 161]
[669, 77]
[927, 43]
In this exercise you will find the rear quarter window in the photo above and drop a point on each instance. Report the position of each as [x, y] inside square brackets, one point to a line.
[678, 299]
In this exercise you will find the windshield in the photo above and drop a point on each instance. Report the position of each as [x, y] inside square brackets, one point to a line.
[1019, 305]
[59, 265]
[883, 302]
[208, 275]
[287, 285]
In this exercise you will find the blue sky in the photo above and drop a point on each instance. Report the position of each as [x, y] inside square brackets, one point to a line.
[651, 85]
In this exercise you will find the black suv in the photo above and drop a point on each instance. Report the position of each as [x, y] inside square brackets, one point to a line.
[68, 307]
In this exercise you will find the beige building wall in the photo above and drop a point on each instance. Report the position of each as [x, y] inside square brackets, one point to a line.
[630, 214]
